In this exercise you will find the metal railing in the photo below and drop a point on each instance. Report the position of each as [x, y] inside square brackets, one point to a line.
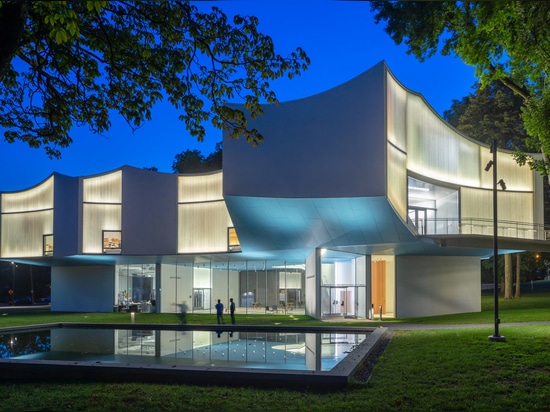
[484, 227]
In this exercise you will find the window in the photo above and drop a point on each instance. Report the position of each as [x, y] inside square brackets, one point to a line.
[112, 242]
[47, 245]
[233, 240]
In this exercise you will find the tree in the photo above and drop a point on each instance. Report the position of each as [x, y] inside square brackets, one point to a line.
[189, 161]
[508, 276]
[214, 159]
[507, 42]
[74, 63]
[517, 293]
[490, 113]
[193, 161]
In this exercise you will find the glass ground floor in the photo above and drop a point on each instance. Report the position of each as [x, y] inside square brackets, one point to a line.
[340, 285]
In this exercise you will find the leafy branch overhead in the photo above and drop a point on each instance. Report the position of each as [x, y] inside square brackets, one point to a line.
[74, 63]
[505, 41]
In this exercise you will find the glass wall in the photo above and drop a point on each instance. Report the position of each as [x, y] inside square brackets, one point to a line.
[135, 288]
[198, 282]
[342, 285]
[433, 209]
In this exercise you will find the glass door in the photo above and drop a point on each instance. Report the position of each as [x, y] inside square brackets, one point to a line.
[342, 301]
[418, 217]
[201, 299]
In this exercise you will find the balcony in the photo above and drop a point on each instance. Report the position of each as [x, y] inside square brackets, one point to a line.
[481, 227]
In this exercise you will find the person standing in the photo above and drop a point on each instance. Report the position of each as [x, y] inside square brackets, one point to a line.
[232, 310]
[219, 311]
[183, 312]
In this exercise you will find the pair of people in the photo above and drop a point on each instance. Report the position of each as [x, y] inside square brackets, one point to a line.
[219, 311]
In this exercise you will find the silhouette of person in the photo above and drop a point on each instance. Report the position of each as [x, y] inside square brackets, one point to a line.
[219, 311]
[232, 310]
[183, 314]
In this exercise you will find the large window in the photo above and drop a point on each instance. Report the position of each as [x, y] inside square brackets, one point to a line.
[233, 240]
[47, 242]
[432, 209]
[136, 288]
[112, 242]
[342, 282]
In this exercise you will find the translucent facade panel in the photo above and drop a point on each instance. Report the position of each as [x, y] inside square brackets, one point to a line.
[345, 272]
[202, 278]
[512, 206]
[290, 280]
[515, 213]
[397, 180]
[37, 198]
[220, 288]
[519, 178]
[103, 189]
[515, 207]
[167, 293]
[476, 203]
[436, 150]
[95, 219]
[396, 120]
[202, 227]
[328, 274]
[200, 188]
[23, 233]
[516, 177]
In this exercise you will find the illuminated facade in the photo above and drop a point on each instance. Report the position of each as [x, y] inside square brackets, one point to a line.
[361, 200]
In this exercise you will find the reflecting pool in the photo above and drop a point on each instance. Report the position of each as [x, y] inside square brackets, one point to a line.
[281, 350]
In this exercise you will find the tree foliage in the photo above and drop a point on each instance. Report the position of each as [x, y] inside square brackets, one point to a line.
[506, 41]
[193, 161]
[74, 63]
[490, 113]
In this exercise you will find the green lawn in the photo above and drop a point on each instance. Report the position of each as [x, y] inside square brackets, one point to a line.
[441, 370]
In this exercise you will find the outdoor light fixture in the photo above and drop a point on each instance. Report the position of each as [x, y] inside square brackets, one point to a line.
[13, 266]
[495, 337]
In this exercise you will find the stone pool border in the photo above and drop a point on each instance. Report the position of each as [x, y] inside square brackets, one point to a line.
[71, 371]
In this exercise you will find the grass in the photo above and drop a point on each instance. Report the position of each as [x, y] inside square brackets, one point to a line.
[421, 370]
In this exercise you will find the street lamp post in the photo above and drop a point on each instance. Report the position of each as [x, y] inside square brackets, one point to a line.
[13, 266]
[495, 337]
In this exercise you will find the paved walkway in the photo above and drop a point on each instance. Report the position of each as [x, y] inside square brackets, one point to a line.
[419, 326]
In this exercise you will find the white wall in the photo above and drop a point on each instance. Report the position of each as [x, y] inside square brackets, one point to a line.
[83, 288]
[312, 295]
[436, 285]
[327, 145]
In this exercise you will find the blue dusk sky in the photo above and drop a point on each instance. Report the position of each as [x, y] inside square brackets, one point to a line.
[342, 41]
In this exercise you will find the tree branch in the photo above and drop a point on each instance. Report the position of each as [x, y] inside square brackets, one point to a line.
[13, 16]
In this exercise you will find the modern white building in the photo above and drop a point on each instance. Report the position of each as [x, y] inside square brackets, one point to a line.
[360, 200]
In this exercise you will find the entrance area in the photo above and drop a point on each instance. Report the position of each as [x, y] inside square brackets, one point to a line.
[342, 301]
[343, 285]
